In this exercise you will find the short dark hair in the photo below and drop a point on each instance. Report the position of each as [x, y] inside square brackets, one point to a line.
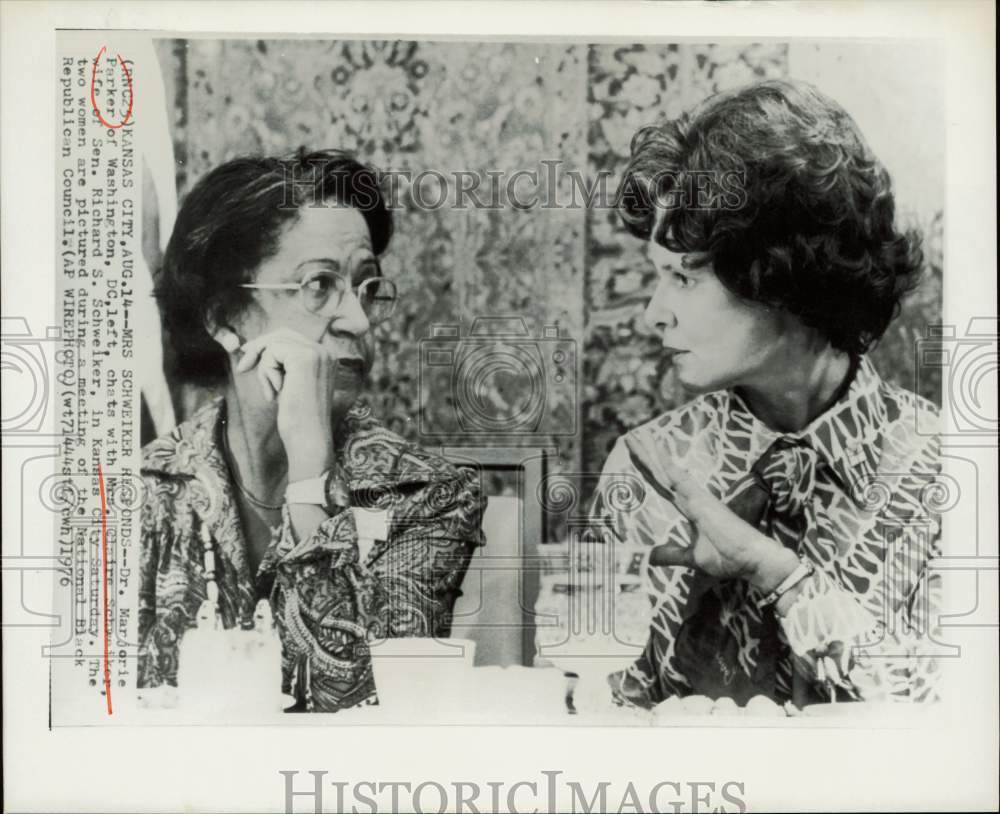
[800, 212]
[229, 223]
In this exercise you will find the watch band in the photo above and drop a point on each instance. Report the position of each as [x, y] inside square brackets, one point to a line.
[804, 569]
[310, 491]
[329, 490]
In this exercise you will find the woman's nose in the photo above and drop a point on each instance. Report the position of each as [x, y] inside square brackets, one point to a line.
[350, 317]
[658, 314]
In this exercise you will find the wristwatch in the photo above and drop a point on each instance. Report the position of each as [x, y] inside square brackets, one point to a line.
[329, 490]
[804, 569]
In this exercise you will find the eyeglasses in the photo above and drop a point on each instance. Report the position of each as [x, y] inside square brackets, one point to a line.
[320, 289]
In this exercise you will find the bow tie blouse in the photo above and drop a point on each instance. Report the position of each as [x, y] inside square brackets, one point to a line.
[853, 493]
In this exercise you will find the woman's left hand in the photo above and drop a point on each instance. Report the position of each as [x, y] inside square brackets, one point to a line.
[724, 545]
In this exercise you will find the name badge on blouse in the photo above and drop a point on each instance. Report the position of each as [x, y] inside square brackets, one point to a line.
[372, 525]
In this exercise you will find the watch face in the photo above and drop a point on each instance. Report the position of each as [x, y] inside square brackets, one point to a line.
[335, 491]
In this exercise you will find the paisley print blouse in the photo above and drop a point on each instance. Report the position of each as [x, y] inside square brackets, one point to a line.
[864, 624]
[325, 602]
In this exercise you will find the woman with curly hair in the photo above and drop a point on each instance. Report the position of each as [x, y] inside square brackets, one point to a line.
[791, 546]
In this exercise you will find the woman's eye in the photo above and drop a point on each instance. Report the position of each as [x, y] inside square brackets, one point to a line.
[681, 279]
[319, 285]
[365, 270]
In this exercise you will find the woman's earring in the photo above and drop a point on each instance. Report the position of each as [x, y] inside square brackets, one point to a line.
[229, 340]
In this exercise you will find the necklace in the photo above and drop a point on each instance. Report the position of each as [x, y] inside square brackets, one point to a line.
[256, 501]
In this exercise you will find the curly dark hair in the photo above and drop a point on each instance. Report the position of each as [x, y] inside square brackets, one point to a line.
[775, 184]
[229, 223]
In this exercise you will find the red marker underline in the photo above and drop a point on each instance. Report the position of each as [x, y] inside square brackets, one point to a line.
[104, 584]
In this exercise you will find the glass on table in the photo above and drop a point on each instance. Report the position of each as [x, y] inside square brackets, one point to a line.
[593, 619]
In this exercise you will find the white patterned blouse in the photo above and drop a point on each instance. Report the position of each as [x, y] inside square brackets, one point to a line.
[864, 626]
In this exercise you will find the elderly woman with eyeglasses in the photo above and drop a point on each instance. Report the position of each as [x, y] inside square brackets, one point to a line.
[788, 505]
[269, 289]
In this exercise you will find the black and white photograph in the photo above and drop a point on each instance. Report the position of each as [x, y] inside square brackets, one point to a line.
[670, 291]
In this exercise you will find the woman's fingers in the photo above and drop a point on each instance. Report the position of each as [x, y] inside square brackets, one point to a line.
[661, 471]
[251, 355]
[265, 383]
[672, 554]
[684, 483]
[270, 369]
[723, 543]
[279, 343]
[670, 481]
[275, 377]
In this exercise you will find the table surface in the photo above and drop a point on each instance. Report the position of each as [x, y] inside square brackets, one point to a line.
[503, 712]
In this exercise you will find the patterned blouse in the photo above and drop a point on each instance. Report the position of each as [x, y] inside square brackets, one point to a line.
[325, 603]
[864, 624]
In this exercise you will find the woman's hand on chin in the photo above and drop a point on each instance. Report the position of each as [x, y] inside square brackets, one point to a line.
[300, 374]
[725, 545]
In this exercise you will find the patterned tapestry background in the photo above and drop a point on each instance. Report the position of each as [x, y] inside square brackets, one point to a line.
[503, 107]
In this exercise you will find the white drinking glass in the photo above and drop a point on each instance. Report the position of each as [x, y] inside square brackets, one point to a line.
[602, 611]
[422, 678]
